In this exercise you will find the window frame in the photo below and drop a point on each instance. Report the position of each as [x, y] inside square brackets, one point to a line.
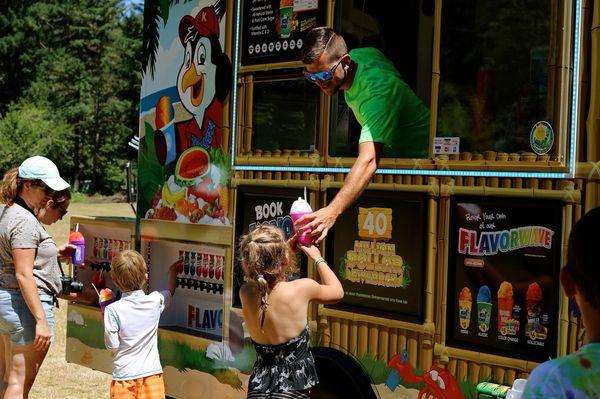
[244, 152]
[566, 90]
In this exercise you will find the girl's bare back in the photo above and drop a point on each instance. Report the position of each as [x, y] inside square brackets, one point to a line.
[286, 315]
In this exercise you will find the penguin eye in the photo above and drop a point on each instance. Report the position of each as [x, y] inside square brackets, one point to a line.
[201, 54]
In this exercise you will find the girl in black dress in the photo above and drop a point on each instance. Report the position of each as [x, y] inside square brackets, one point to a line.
[276, 313]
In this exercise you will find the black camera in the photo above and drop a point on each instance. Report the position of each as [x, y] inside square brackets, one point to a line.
[70, 286]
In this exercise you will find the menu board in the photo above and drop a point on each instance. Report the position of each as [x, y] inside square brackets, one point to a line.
[503, 278]
[263, 205]
[275, 30]
[377, 249]
[197, 305]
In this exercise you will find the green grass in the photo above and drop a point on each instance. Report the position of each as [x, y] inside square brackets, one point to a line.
[468, 389]
[377, 370]
[78, 197]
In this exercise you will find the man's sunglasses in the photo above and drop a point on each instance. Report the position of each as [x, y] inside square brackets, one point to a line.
[323, 76]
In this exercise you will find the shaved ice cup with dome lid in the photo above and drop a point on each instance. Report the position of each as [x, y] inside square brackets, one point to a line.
[78, 241]
[301, 207]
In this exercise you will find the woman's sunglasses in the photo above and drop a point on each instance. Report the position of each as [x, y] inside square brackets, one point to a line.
[323, 76]
[63, 211]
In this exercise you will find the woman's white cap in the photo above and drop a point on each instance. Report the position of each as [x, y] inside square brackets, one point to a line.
[42, 168]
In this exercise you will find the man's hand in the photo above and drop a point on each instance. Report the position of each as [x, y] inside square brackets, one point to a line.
[357, 180]
[320, 222]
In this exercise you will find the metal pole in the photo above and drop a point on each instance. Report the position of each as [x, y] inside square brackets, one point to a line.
[129, 181]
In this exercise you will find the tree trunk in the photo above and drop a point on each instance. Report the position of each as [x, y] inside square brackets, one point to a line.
[96, 146]
[77, 160]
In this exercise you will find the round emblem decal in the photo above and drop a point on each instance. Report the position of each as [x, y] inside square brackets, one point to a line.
[541, 137]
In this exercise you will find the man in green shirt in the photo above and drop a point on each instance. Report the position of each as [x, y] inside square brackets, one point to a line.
[394, 121]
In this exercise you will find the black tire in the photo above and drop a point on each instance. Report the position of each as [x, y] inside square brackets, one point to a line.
[340, 376]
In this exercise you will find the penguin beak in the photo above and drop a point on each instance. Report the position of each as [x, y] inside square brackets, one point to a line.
[196, 82]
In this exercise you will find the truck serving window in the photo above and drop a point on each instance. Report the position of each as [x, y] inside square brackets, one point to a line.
[284, 114]
[500, 75]
[485, 87]
[403, 32]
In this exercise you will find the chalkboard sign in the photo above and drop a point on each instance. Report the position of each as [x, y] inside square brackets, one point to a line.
[263, 205]
[378, 251]
[503, 276]
[275, 30]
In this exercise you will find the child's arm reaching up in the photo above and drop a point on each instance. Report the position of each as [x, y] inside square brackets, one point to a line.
[330, 289]
[174, 269]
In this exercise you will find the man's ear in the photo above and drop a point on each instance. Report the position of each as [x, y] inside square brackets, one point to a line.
[346, 62]
[568, 283]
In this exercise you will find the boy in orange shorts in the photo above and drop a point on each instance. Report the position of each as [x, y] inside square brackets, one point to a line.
[130, 329]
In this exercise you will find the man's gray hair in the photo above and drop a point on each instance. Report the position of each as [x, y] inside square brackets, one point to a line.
[321, 39]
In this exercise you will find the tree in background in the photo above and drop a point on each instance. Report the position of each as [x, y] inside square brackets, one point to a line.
[155, 12]
[70, 75]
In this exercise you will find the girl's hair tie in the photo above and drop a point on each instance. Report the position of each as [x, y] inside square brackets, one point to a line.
[259, 276]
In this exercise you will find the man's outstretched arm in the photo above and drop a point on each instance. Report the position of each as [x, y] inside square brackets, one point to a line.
[357, 180]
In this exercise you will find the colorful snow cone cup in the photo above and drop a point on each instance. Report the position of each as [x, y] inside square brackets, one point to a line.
[505, 306]
[534, 309]
[484, 308]
[105, 298]
[104, 304]
[465, 301]
[76, 239]
[484, 313]
[300, 208]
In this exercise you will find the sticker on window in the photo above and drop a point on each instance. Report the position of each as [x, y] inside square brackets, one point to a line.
[446, 145]
[541, 137]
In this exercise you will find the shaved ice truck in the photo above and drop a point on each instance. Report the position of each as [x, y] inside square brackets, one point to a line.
[449, 262]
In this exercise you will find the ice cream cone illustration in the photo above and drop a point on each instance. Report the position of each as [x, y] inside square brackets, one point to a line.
[464, 307]
[505, 306]
[535, 330]
[484, 308]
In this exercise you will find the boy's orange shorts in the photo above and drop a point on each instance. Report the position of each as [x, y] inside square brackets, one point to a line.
[151, 387]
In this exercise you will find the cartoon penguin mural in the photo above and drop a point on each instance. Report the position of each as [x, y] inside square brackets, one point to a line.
[203, 83]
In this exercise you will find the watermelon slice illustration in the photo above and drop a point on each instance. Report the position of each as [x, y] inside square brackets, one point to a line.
[192, 164]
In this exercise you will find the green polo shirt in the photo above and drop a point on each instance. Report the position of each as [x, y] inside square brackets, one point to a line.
[386, 107]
